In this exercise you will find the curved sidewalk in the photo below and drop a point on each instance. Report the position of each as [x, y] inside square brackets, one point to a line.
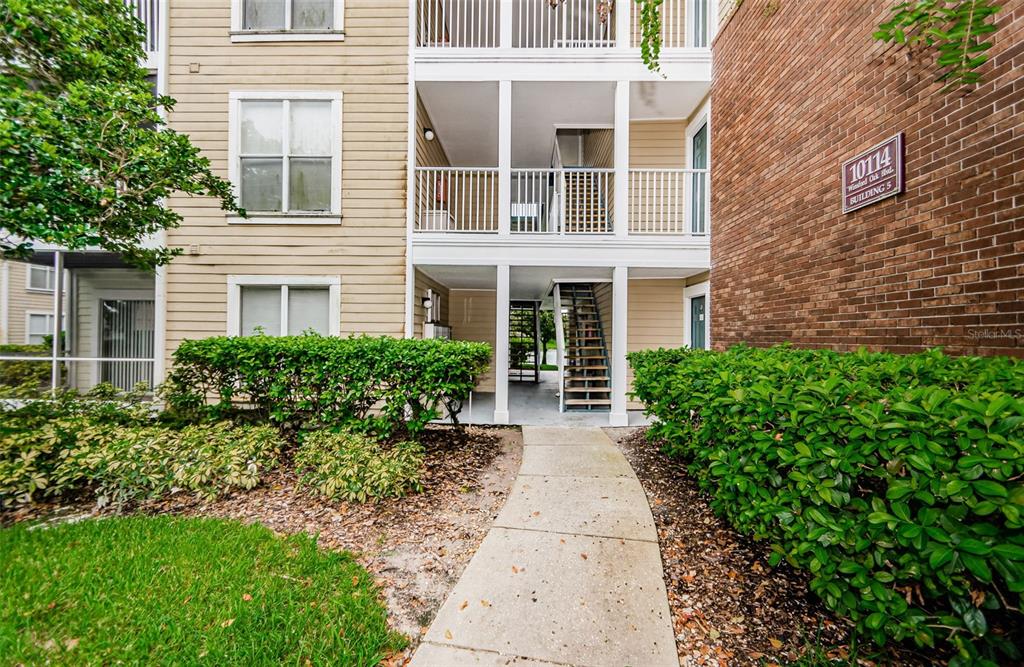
[570, 573]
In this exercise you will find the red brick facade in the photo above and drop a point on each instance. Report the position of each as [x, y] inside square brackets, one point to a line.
[798, 91]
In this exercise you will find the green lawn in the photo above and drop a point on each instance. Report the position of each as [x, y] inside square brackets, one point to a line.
[183, 591]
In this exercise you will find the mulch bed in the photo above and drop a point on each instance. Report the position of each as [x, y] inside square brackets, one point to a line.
[729, 607]
[416, 546]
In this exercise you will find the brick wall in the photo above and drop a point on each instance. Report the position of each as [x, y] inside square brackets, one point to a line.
[795, 93]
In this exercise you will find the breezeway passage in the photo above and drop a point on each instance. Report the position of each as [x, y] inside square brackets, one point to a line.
[570, 574]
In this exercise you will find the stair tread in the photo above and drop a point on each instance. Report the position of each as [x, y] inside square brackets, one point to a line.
[588, 401]
[588, 390]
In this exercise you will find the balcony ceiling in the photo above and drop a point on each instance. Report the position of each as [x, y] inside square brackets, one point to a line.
[534, 283]
[465, 114]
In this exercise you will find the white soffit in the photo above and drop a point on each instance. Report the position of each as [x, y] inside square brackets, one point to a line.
[464, 115]
[665, 99]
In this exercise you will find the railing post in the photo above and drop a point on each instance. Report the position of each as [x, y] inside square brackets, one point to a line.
[505, 25]
[504, 157]
[621, 209]
[623, 29]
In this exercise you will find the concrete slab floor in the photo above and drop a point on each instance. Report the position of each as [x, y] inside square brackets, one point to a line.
[537, 404]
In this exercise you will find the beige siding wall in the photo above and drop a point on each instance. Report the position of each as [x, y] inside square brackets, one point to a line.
[92, 285]
[472, 317]
[367, 250]
[423, 283]
[428, 153]
[655, 319]
[657, 143]
[599, 148]
[20, 302]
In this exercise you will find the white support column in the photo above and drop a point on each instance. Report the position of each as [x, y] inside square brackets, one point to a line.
[505, 25]
[621, 209]
[623, 32]
[620, 306]
[501, 415]
[504, 158]
[56, 349]
[159, 324]
[5, 309]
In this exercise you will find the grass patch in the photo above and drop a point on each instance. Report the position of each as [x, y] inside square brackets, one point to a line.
[162, 590]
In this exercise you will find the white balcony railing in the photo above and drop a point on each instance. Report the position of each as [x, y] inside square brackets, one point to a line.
[148, 11]
[669, 201]
[540, 24]
[553, 24]
[541, 201]
[562, 201]
[450, 199]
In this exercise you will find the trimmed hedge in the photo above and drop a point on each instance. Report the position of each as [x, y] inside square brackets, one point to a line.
[896, 480]
[381, 385]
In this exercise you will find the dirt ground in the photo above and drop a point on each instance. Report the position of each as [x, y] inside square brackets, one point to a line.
[416, 546]
[728, 606]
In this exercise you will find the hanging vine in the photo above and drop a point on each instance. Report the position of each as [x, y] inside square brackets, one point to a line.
[958, 30]
[650, 33]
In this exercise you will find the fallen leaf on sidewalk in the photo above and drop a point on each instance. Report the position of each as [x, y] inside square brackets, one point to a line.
[583, 556]
[465, 603]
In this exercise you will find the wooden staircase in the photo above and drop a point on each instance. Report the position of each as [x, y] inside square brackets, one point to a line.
[586, 205]
[587, 377]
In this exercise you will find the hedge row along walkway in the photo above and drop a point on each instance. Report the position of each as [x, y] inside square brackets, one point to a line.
[570, 573]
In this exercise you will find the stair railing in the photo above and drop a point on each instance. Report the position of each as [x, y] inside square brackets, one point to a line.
[556, 212]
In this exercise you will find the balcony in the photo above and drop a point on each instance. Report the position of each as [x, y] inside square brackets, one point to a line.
[561, 201]
[559, 24]
[150, 12]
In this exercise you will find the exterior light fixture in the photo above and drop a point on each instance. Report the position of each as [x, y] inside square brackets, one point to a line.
[428, 133]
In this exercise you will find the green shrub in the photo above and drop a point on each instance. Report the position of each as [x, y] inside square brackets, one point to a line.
[123, 464]
[350, 466]
[382, 385]
[111, 444]
[896, 480]
[24, 378]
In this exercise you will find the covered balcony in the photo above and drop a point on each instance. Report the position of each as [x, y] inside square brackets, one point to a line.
[608, 163]
[556, 24]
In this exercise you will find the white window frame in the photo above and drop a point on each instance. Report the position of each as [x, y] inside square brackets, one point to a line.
[236, 283]
[234, 150]
[699, 120]
[689, 293]
[690, 14]
[28, 277]
[239, 34]
[48, 314]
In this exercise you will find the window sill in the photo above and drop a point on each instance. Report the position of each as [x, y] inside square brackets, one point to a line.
[286, 219]
[287, 36]
[39, 290]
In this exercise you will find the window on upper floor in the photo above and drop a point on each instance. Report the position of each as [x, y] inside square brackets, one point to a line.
[269, 20]
[286, 155]
[283, 305]
[40, 278]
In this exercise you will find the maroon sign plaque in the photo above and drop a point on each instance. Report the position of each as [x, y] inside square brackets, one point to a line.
[874, 175]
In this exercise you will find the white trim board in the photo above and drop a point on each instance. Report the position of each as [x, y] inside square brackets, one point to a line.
[689, 293]
[236, 282]
[335, 34]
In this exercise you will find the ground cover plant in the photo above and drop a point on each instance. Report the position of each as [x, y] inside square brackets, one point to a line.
[340, 465]
[159, 590]
[895, 480]
[24, 378]
[113, 445]
[381, 385]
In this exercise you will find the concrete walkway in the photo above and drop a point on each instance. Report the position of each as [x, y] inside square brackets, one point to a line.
[570, 573]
